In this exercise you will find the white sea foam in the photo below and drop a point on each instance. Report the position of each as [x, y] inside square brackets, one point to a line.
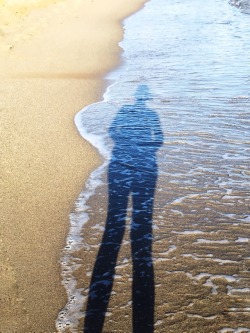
[239, 291]
[188, 232]
[234, 330]
[70, 315]
[201, 317]
[208, 241]
[168, 251]
[242, 240]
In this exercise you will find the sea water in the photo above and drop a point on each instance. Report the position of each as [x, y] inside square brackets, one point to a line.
[194, 58]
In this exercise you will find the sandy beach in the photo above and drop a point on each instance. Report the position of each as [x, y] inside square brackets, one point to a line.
[54, 55]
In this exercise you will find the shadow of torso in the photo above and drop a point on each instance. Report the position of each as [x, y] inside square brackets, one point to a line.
[137, 136]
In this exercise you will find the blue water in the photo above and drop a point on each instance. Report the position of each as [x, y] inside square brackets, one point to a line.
[194, 58]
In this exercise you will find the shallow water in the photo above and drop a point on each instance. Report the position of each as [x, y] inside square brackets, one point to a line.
[194, 58]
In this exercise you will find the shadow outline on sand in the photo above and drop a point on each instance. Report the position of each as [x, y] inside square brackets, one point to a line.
[132, 171]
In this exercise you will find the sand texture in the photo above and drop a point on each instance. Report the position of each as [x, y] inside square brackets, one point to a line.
[53, 55]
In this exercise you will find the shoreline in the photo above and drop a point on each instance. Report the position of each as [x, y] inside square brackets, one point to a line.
[47, 77]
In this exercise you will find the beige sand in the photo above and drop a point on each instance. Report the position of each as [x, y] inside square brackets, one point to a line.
[53, 55]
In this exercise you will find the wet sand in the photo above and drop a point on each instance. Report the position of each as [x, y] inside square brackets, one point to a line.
[200, 269]
[53, 56]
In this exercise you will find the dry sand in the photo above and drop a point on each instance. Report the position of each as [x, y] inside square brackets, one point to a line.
[53, 55]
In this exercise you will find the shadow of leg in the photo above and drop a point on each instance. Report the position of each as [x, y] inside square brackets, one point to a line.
[143, 282]
[101, 287]
[104, 268]
[143, 292]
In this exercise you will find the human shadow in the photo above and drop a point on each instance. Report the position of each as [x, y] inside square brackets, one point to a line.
[137, 136]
